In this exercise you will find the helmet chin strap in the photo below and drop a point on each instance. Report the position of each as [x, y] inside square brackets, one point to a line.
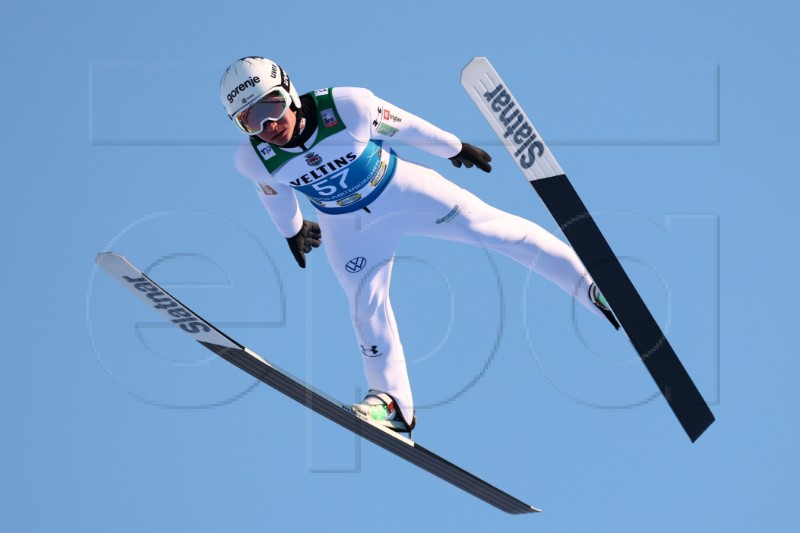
[300, 122]
[305, 122]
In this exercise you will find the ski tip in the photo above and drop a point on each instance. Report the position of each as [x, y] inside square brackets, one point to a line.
[475, 62]
[112, 262]
[478, 59]
[105, 258]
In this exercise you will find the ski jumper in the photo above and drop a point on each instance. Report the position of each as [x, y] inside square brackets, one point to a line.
[367, 198]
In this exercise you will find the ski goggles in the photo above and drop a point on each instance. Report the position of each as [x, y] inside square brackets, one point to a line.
[270, 108]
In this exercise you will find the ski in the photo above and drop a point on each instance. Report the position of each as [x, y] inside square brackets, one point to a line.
[537, 163]
[235, 353]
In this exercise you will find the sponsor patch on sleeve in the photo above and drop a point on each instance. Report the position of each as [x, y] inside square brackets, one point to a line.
[321, 92]
[387, 122]
[266, 189]
[449, 216]
[385, 129]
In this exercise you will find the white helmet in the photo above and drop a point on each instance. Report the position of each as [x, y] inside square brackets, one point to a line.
[249, 79]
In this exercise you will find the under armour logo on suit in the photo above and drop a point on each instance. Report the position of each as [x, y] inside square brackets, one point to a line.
[371, 351]
[356, 264]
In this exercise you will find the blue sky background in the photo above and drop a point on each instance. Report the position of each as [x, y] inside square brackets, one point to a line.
[677, 123]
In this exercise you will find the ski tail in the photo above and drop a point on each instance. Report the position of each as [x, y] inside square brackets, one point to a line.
[643, 331]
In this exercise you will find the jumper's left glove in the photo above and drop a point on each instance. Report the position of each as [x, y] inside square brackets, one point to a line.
[307, 238]
[472, 155]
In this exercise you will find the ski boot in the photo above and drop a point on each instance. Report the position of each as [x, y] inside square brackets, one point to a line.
[381, 408]
[600, 302]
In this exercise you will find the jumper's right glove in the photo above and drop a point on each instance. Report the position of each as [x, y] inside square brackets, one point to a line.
[307, 238]
[472, 155]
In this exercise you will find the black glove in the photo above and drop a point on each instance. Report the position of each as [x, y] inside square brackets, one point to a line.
[472, 155]
[307, 238]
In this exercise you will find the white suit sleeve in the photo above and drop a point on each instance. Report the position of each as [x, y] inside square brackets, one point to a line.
[381, 120]
[279, 200]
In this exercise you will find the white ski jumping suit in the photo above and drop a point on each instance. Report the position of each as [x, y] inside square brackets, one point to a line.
[368, 198]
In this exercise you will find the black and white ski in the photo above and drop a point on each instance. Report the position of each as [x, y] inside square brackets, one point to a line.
[533, 157]
[221, 344]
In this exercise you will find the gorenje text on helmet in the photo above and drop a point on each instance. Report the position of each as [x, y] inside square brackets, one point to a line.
[250, 82]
